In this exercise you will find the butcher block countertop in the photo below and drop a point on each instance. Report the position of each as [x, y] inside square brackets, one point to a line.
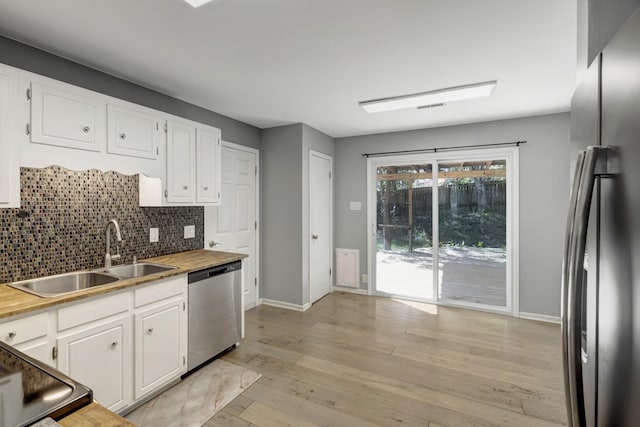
[14, 301]
[94, 415]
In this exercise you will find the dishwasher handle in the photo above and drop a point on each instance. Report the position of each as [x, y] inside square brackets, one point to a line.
[197, 276]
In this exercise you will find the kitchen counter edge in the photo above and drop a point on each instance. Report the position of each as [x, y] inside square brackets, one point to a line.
[14, 302]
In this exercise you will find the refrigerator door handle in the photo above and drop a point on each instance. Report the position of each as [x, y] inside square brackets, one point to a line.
[577, 176]
[564, 309]
[590, 164]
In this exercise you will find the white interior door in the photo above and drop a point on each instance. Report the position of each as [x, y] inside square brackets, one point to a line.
[320, 227]
[232, 226]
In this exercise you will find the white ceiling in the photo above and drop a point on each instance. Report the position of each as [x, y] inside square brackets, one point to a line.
[275, 62]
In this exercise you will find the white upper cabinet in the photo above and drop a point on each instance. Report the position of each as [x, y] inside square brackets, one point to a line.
[133, 133]
[181, 163]
[10, 126]
[5, 178]
[193, 163]
[67, 118]
[208, 165]
[79, 129]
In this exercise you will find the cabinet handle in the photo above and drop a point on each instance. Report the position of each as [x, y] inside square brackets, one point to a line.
[12, 334]
[86, 129]
[184, 187]
[123, 135]
[114, 344]
[150, 330]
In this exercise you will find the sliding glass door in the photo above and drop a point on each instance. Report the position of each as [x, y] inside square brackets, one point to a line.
[442, 227]
[472, 228]
[404, 235]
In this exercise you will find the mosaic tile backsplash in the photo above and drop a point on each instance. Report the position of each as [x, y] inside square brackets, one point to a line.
[60, 226]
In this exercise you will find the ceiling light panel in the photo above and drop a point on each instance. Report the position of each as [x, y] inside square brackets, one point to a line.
[440, 96]
[197, 3]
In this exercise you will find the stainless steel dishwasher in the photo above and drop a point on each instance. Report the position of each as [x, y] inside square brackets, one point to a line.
[215, 312]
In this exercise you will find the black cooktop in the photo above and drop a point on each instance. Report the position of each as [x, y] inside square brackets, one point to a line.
[31, 390]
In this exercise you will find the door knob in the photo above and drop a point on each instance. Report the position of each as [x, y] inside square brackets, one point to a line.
[314, 236]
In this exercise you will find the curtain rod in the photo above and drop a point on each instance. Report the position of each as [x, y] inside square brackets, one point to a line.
[436, 149]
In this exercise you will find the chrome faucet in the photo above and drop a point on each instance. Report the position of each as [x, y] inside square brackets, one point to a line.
[107, 256]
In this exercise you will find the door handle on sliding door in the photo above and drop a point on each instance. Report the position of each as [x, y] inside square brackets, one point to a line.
[572, 276]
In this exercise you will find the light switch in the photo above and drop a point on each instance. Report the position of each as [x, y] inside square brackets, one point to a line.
[189, 231]
[154, 235]
[355, 206]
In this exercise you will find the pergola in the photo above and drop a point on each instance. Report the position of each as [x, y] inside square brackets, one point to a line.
[412, 173]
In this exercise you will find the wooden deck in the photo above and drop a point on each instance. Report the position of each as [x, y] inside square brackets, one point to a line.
[476, 275]
[355, 360]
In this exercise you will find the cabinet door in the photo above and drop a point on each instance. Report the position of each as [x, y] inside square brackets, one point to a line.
[66, 119]
[159, 356]
[37, 349]
[98, 357]
[29, 335]
[180, 163]
[208, 166]
[132, 133]
[5, 177]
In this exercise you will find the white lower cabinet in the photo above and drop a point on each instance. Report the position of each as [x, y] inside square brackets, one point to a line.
[158, 353]
[160, 323]
[99, 357]
[29, 335]
[123, 345]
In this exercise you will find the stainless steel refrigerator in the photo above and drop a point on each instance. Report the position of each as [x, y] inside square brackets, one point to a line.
[601, 269]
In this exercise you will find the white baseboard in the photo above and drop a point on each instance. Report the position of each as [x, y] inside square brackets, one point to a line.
[286, 305]
[539, 317]
[352, 290]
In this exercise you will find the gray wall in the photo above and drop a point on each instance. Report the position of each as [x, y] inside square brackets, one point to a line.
[605, 18]
[40, 62]
[544, 191]
[285, 210]
[281, 186]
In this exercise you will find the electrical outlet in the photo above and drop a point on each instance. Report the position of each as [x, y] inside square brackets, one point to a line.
[365, 278]
[154, 235]
[189, 231]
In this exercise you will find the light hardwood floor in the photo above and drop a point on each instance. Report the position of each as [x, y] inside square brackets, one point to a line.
[354, 360]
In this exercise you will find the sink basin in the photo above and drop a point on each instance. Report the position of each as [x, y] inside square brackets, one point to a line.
[64, 283]
[136, 270]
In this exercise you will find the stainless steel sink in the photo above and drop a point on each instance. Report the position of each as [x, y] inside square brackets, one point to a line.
[60, 284]
[136, 270]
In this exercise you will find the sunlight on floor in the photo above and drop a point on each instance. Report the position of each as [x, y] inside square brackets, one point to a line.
[475, 275]
[422, 306]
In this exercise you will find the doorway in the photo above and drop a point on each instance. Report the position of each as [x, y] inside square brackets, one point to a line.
[443, 228]
[233, 225]
[320, 225]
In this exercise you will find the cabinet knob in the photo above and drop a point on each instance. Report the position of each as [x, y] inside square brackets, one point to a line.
[123, 135]
[114, 344]
[314, 236]
[12, 334]
[184, 187]
[86, 129]
[150, 330]
[206, 188]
